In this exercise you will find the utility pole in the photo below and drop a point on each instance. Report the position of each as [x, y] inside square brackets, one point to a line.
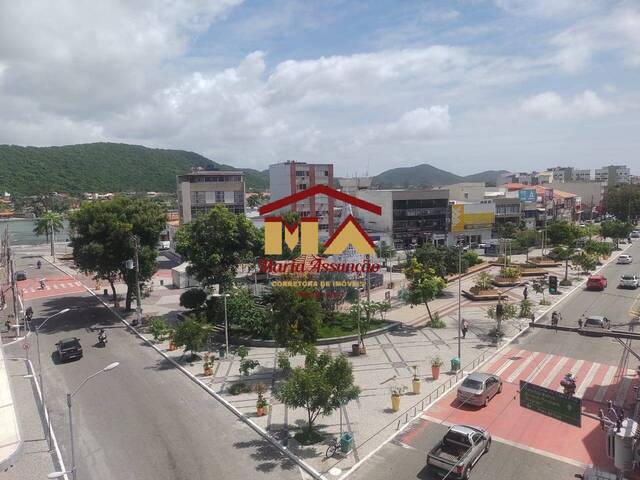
[138, 299]
[459, 300]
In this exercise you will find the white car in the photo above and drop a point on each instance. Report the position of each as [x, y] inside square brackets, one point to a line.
[635, 234]
[164, 245]
[625, 259]
[629, 281]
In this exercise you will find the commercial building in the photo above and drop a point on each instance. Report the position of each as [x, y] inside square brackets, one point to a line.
[507, 210]
[291, 177]
[409, 217]
[473, 221]
[581, 175]
[201, 190]
[613, 175]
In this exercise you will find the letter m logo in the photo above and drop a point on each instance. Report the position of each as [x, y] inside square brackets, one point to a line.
[305, 233]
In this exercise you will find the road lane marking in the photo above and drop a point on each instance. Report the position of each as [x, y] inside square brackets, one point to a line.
[522, 366]
[539, 368]
[587, 380]
[622, 391]
[489, 365]
[509, 362]
[606, 383]
[554, 371]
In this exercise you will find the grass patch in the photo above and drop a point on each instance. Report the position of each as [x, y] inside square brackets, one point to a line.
[308, 437]
[343, 325]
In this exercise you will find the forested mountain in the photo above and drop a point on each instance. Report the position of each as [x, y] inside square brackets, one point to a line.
[102, 167]
[426, 175]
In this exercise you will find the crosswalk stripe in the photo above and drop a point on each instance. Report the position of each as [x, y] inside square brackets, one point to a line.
[78, 284]
[587, 380]
[509, 362]
[602, 391]
[521, 368]
[487, 367]
[55, 286]
[552, 374]
[622, 391]
[539, 368]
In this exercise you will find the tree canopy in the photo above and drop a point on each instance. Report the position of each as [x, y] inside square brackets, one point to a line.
[102, 239]
[296, 317]
[216, 243]
[424, 286]
[623, 201]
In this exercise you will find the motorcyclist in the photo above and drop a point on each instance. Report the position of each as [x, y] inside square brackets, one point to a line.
[569, 383]
[28, 313]
[42, 284]
[39, 264]
[102, 336]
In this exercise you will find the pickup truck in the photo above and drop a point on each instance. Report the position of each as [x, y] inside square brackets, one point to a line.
[459, 451]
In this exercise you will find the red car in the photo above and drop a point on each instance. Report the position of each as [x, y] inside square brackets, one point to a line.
[596, 282]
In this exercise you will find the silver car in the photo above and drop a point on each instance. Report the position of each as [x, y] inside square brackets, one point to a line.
[478, 388]
[597, 322]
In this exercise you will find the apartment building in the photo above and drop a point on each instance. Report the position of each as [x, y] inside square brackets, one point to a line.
[290, 177]
[409, 217]
[613, 175]
[201, 190]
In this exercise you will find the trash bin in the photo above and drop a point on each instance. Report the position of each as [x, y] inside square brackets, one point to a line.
[455, 364]
[222, 351]
[345, 442]
[161, 282]
[105, 292]
[355, 349]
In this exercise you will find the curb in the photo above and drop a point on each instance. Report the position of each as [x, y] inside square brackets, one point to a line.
[303, 465]
[498, 350]
[20, 443]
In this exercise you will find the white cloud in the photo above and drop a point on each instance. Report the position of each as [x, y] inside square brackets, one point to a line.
[551, 105]
[547, 8]
[419, 124]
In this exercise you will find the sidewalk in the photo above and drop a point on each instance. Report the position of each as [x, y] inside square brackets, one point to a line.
[10, 441]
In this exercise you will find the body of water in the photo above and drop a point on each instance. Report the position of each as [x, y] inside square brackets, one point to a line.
[21, 232]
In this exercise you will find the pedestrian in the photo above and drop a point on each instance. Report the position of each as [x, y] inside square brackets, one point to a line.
[580, 322]
[554, 318]
[465, 328]
[7, 325]
[525, 292]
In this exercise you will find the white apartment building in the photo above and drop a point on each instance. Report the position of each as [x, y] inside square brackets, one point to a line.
[613, 175]
[201, 190]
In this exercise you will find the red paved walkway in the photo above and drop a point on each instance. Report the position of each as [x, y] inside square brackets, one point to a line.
[54, 286]
[506, 420]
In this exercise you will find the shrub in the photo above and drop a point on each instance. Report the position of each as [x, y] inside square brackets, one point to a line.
[510, 272]
[158, 328]
[484, 281]
[193, 299]
[238, 388]
[526, 308]
[436, 322]
[283, 362]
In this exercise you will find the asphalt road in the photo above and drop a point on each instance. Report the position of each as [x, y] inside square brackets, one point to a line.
[407, 459]
[145, 419]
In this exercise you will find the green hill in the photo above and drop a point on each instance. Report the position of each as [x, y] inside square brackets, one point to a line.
[102, 167]
[426, 175]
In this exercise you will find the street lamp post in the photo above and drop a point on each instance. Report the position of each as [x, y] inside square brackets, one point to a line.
[109, 367]
[459, 300]
[37, 330]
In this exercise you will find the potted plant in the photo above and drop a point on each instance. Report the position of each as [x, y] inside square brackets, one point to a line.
[415, 383]
[436, 363]
[207, 365]
[396, 391]
[172, 345]
[261, 403]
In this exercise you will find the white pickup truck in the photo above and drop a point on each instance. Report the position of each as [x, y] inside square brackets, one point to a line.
[459, 451]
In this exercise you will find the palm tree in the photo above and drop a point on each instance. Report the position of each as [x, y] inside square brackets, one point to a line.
[49, 224]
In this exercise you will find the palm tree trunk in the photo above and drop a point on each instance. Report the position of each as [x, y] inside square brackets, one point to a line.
[53, 252]
[426, 304]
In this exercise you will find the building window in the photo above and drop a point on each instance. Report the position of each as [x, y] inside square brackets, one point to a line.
[238, 197]
[219, 196]
[302, 173]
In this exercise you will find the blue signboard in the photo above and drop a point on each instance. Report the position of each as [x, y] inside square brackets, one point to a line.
[527, 195]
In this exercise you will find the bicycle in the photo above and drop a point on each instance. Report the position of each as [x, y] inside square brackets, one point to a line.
[332, 448]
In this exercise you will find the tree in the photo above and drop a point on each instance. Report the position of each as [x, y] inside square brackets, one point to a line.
[324, 384]
[424, 286]
[256, 199]
[190, 334]
[509, 311]
[623, 201]
[563, 233]
[526, 239]
[243, 313]
[585, 261]
[296, 317]
[193, 299]
[540, 288]
[49, 224]
[216, 243]
[616, 230]
[102, 239]
[508, 230]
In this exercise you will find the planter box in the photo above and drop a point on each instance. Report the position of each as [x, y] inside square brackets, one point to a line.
[533, 272]
[500, 281]
[477, 295]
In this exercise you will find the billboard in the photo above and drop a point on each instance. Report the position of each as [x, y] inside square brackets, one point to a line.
[472, 216]
[528, 195]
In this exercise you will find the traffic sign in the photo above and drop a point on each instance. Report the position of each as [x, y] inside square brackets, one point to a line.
[26, 346]
[567, 409]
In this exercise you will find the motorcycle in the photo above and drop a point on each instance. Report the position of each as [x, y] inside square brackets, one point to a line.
[42, 285]
[102, 339]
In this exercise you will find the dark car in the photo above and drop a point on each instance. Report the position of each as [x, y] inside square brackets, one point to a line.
[596, 282]
[21, 275]
[69, 348]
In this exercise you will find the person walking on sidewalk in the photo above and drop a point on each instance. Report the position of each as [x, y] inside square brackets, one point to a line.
[525, 292]
[465, 328]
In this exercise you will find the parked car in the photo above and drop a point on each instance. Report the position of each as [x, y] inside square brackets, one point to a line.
[624, 259]
[635, 234]
[164, 245]
[629, 281]
[69, 348]
[596, 322]
[597, 282]
[478, 388]
[21, 275]
[459, 450]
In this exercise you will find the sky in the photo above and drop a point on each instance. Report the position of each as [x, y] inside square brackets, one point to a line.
[464, 85]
